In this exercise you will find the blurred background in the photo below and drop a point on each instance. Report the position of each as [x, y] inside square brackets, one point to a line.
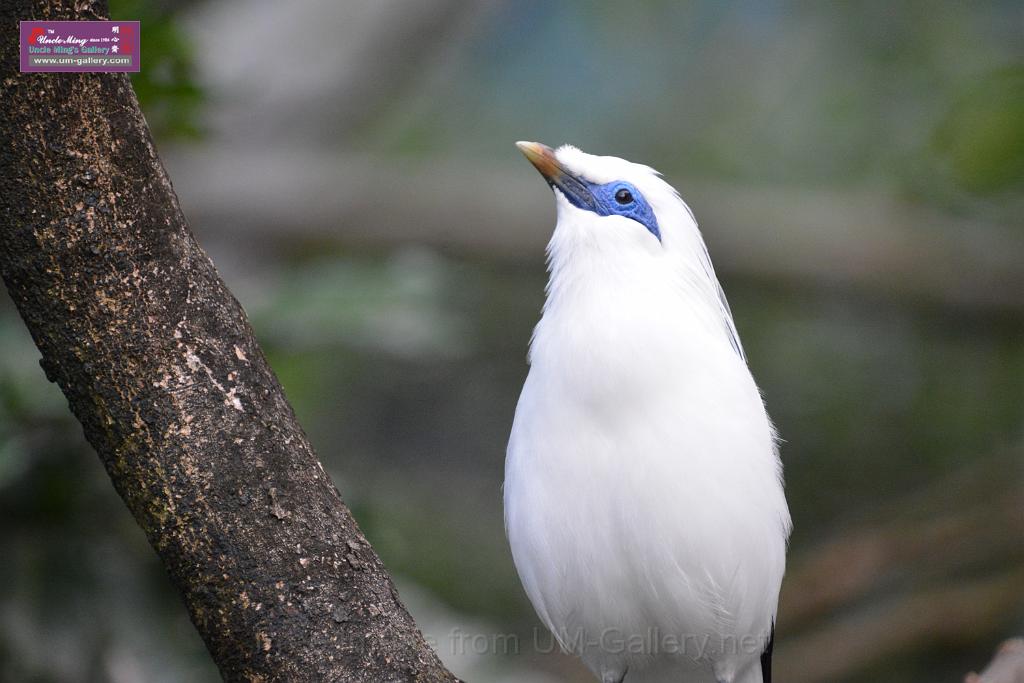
[858, 172]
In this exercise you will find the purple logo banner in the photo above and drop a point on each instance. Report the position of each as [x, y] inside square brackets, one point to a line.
[80, 46]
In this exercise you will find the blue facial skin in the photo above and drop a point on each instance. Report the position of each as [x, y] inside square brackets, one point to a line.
[617, 198]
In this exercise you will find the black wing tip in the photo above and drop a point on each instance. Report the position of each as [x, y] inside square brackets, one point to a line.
[766, 657]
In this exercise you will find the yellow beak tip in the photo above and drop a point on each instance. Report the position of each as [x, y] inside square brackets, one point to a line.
[541, 156]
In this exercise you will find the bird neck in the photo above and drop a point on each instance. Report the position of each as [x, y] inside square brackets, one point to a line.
[624, 323]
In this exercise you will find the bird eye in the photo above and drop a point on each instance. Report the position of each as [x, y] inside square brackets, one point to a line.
[624, 196]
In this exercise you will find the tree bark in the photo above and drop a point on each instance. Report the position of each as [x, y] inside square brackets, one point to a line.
[159, 364]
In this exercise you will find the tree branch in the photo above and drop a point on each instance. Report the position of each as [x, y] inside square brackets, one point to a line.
[159, 364]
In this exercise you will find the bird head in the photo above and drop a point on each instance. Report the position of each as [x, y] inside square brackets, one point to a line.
[620, 225]
[619, 201]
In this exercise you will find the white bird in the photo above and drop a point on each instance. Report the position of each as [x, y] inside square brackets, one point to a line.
[643, 488]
